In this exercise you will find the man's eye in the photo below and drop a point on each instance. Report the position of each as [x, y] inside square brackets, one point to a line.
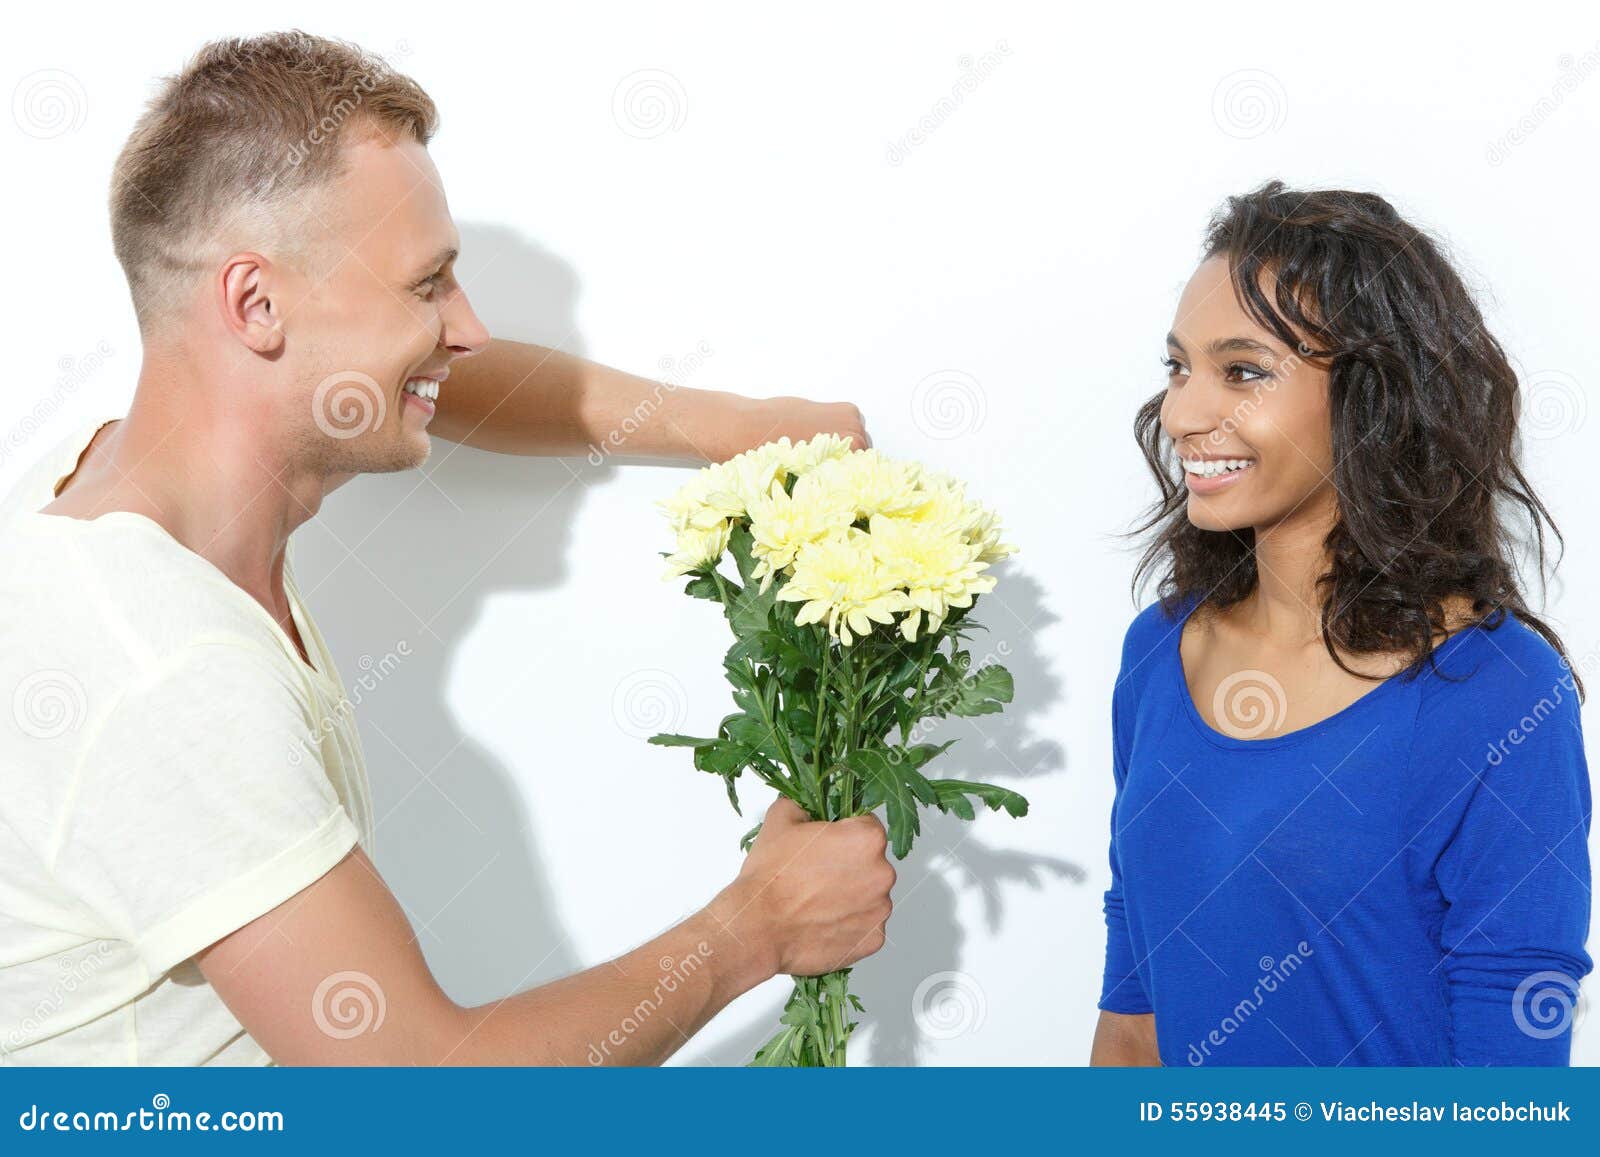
[425, 289]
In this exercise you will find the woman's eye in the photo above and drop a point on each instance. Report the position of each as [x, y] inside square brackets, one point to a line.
[1241, 372]
[1173, 367]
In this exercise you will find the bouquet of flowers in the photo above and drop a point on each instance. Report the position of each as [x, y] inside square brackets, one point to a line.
[854, 577]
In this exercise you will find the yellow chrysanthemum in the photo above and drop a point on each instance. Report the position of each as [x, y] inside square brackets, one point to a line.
[781, 523]
[724, 490]
[949, 510]
[840, 581]
[690, 507]
[804, 457]
[698, 548]
[927, 551]
[868, 483]
[746, 478]
[984, 532]
[944, 508]
[936, 567]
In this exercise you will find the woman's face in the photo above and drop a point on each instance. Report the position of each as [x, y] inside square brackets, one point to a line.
[1237, 397]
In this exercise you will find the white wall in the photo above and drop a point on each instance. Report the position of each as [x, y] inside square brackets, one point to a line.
[1030, 249]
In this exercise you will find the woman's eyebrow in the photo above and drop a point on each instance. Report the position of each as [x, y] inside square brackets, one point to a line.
[1245, 345]
[1227, 345]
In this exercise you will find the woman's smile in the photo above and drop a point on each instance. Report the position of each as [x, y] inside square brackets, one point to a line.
[1213, 475]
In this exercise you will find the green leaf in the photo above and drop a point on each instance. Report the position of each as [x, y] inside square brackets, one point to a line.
[793, 659]
[703, 586]
[953, 795]
[753, 735]
[956, 693]
[744, 689]
[801, 1014]
[748, 613]
[724, 757]
[757, 646]
[667, 739]
[749, 838]
[739, 543]
[782, 1051]
[956, 802]
[718, 756]
[890, 778]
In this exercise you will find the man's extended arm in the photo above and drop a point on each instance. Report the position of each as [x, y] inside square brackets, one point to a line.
[334, 975]
[517, 398]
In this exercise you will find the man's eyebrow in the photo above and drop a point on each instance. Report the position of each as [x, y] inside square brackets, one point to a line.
[436, 263]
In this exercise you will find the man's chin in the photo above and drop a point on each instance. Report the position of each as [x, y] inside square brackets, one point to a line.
[407, 454]
[413, 452]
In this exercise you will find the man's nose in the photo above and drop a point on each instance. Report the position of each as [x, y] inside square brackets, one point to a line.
[464, 331]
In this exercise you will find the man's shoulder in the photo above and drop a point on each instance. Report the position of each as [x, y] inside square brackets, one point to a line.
[113, 596]
[34, 488]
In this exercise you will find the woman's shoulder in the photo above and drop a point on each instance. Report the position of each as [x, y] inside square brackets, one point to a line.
[1494, 679]
[1499, 720]
[1158, 621]
[1153, 629]
[1499, 654]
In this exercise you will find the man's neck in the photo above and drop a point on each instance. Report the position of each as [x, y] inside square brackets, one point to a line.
[209, 477]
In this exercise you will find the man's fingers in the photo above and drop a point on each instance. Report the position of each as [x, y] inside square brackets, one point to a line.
[784, 811]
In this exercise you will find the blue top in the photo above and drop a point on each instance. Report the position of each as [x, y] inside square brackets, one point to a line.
[1405, 882]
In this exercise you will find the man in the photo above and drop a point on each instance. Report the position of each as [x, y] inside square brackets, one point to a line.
[184, 853]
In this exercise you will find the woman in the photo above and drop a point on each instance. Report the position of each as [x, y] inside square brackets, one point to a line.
[1352, 804]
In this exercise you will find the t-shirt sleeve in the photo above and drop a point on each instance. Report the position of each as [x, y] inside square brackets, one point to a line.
[1514, 874]
[1121, 990]
[200, 804]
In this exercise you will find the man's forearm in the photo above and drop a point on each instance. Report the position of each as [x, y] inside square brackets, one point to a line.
[517, 398]
[635, 1010]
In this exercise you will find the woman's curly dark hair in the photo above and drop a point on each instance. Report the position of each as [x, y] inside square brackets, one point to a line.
[1424, 410]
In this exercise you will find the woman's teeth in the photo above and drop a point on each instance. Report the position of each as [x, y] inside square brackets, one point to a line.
[423, 387]
[1211, 467]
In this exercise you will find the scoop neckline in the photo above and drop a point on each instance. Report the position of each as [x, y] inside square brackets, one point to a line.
[145, 522]
[1300, 734]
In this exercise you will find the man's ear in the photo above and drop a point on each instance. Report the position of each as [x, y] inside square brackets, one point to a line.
[248, 309]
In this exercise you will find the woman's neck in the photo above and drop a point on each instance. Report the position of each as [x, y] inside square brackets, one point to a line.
[1290, 556]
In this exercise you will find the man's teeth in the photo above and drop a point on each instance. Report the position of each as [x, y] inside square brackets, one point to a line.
[1211, 467]
[423, 388]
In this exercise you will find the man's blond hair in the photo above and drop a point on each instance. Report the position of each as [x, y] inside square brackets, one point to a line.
[248, 128]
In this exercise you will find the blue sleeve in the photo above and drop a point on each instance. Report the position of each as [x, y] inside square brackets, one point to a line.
[1121, 990]
[1514, 874]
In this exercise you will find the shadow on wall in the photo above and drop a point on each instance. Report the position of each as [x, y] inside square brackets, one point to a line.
[397, 568]
[411, 558]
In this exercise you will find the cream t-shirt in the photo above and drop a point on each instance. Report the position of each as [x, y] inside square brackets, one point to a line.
[170, 769]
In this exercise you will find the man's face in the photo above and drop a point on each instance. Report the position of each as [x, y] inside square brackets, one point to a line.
[377, 309]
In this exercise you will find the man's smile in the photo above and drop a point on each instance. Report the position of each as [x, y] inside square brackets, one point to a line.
[423, 392]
